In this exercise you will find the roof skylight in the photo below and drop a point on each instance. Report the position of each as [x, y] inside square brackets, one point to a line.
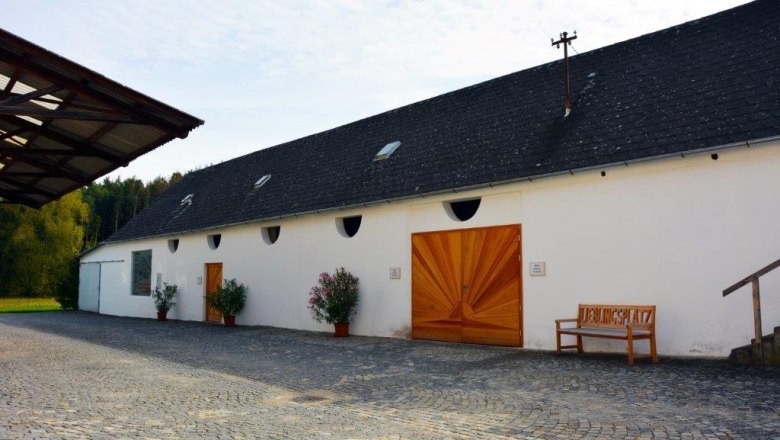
[262, 181]
[187, 200]
[387, 150]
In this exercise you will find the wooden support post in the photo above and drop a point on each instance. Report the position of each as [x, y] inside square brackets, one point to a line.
[758, 348]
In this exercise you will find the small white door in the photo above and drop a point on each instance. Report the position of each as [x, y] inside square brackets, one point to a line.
[89, 287]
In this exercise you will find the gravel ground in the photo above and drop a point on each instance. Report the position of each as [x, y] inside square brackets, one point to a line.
[80, 375]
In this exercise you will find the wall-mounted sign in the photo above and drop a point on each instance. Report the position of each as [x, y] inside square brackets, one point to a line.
[200, 280]
[395, 273]
[538, 269]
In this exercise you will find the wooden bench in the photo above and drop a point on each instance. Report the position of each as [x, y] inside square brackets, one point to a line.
[612, 322]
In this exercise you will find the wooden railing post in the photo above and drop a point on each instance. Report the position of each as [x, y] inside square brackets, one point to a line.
[759, 346]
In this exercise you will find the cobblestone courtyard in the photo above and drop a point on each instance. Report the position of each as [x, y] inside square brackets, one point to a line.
[79, 375]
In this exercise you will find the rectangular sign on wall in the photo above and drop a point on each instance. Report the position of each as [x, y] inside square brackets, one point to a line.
[538, 269]
[395, 273]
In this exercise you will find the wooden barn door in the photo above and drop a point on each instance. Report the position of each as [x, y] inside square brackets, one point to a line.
[466, 286]
[213, 281]
[436, 286]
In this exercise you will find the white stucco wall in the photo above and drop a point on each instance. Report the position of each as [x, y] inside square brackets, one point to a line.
[673, 233]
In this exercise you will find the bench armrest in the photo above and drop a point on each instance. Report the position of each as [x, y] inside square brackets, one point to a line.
[559, 321]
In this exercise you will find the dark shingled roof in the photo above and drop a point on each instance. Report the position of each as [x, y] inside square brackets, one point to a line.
[706, 83]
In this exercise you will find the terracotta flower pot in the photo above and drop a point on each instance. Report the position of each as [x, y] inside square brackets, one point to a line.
[162, 316]
[230, 321]
[342, 329]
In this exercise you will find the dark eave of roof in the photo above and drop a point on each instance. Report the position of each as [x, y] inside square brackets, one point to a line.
[705, 84]
[63, 126]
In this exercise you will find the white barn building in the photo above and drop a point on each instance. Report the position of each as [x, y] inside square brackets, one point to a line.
[661, 187]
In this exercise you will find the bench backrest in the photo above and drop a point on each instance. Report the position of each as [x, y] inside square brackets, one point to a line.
[612, 316]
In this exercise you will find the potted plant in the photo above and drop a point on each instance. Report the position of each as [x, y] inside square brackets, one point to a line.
[334, 298]
[229, 300]
[164, 300]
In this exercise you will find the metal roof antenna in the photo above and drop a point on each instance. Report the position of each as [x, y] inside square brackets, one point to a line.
[566, 40]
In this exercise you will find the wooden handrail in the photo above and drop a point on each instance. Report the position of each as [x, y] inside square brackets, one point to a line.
[758, 346]
[751, 277]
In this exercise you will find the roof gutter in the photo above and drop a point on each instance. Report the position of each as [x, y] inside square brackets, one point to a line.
[682, 154]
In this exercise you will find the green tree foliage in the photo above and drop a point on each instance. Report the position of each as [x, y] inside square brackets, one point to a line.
[67, 293]
[38, 245]
[39, 248]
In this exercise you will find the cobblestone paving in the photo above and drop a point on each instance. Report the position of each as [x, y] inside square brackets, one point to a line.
[79, 375]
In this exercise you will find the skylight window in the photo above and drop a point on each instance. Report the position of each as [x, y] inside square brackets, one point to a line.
[261, 181]
[387, 150]
[187, 200]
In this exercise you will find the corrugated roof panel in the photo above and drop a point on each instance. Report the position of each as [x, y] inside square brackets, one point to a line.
[45, 142]
[127, 137]
[55, 184]
[89, 164]
[83, 129]
[22, 87]
[24, 167]
[81, 102]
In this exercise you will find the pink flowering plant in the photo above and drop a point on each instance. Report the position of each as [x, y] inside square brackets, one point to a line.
[334, 298]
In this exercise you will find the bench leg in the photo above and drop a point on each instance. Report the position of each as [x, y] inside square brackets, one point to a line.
[558, 342]
[579, 344]
[630, 347]
[653, 353]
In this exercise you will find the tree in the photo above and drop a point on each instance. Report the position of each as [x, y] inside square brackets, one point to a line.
[38, 245]
[39, 248]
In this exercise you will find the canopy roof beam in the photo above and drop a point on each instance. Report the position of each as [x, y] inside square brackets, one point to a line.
[18, 99]
[28, 188]
[68, 114]
[42, 174]
[50, 167]
[25, 62]
[15, 197]
[80, 145]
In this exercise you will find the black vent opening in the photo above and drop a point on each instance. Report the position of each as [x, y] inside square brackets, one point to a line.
[271, 234]
[214, 240]
[464, 209]
[350, 225]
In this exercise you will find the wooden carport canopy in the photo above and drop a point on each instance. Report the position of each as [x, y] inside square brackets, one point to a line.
[62, 125]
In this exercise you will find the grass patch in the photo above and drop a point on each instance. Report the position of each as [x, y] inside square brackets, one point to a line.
[24, 305]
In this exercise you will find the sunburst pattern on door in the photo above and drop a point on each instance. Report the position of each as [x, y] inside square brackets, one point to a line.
[466, 285]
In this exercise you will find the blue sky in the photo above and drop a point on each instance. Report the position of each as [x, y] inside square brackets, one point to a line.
[264, 72]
